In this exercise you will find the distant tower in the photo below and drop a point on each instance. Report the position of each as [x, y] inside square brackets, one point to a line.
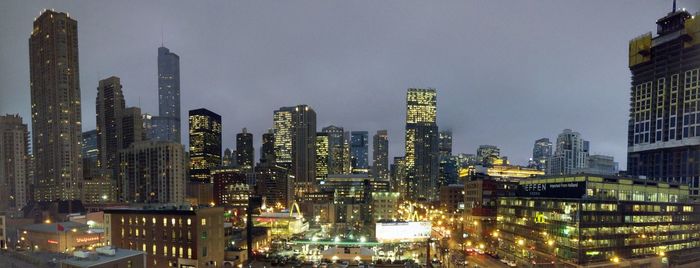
[168, 119]
[380, 155]
[359, 147]
[321, 156]
[205, 144]
[336, 152]
[571, 154]
[541, 152]
[110, 108]
[267, 151]
[245, 154]
[55, 96]
[295, 144]
[421, 158]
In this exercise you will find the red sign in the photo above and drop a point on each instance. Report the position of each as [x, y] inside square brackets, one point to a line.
[52, 241]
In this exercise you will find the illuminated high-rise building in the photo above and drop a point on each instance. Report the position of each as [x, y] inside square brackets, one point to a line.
[421, 144]
[245, 154]
[336, 152]
[55, 97]
[664, 116]
[380, 155]
[359, 151]
[321, 156]
[571, 154]
[14, 163]
[487, 154]
[295, 144]
[167, 123]
[205, 144]
[90, 153]
[110, 108]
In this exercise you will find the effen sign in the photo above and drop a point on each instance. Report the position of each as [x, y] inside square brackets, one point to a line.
[555, 190]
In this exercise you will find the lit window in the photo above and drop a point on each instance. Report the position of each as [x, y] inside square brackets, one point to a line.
[143, 247]
[189, 253]
[181, 253]
[204, 221]
[172, 221]
[165, 222]
[153, 220]
[154, 249]
[189, 222]
[165, 251]
[174, 252]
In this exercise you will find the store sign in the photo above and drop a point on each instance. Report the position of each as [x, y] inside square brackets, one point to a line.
[87, 239]
[556, 190]
[402, 231]
[540, 217]
[52, 241]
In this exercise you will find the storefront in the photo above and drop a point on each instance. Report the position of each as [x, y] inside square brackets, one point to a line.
[62, 237]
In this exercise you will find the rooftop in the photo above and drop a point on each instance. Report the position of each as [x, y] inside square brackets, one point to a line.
[53, 227]
[96, 259]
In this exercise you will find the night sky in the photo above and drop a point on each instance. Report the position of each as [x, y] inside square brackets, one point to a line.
[507, 72]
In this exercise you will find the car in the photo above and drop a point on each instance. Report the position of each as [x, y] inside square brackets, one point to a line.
[344, 264]
[512, 264]
[323, 265]
[504, 260]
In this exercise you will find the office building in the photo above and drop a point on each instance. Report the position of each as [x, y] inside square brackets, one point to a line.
[663, 127]
[321, 156]
[205, 144]
[132, 126]
[267, 150]
[571, 154]
[167, 123]
[445, 143]
[110, 107]
[541, 152]
[589, 220]
[422, 150]
[336, 151]
[488, 155]
[231, 189]
[56, 118]
[380, 155]
[600, 165]
[275, 184]
[152, 172]
[227, 159]
[295, 144]
[399, 176]
[90, 153]
[171, 236]
[14, 163]
[384, 206]
[359, 151]
[245, 154]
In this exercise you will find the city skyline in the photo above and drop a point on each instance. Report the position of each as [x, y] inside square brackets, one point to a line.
[381, 90]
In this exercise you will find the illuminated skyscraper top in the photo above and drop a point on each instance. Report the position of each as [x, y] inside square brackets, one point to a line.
[421, 105]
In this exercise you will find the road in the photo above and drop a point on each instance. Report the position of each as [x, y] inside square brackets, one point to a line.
[484, 261]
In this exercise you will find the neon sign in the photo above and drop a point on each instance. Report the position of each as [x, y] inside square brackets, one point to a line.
[87, 239]
[52, 241]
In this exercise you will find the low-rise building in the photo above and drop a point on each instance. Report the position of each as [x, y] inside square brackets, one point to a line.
[583, 220]
[171, 236]
[60, 237]
[106, 257]
[384, 205]
[452, 197]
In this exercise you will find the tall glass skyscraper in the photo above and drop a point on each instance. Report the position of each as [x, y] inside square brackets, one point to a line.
[359, 147]
[168, 120]
[422, 151]
[205, 144]
[380, 155]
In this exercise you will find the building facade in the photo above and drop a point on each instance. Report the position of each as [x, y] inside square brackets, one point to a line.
[152, 172]
[168, 120]
[245, 152]
[422, 151]
[170, 236]
[205, 144]
[295, 144]
[336, 152]
[380, 155]
[541, 152]
[56, 116]
[359, 151]
[571, 154]
[592, 220]
[321, 156]
[110, 106]
[663, 130]
[14, 163]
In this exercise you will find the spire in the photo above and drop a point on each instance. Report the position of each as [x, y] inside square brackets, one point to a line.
[674, 6]
[161, 27]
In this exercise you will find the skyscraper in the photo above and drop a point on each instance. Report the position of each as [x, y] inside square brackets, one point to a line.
[359, 147]
[267, 150]
[55, 96]
[445, 143]
[14, 163]
[168, 119]
[205, 144]
[380, 155]
[132, 126]
[110, 108]
[227, 159]
[245, 154]
[664, 118]
[541, 152]
[295, 144]
[336, 153]
[90, 153]
[321, 156]
[421, 143]
[488, 154]
[570, 155]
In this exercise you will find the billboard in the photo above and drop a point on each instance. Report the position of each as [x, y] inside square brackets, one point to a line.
[412, 231]
[556, 190]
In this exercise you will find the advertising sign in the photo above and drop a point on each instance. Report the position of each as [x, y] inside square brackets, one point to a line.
[390, 232]
[555, 190]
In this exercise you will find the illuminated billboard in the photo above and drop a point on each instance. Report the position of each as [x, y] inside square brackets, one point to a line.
[413, 231]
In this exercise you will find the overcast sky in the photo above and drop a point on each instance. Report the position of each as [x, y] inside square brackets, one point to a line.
[507, 72]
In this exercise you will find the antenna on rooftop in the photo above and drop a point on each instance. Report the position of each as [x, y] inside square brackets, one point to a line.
[674, 6]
